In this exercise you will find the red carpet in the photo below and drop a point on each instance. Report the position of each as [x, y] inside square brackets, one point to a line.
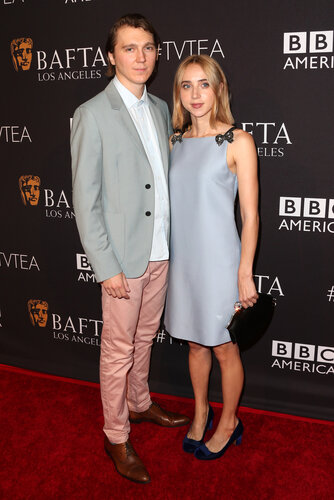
[52, 448]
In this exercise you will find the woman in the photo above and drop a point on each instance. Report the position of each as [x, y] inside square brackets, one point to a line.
[209, 271]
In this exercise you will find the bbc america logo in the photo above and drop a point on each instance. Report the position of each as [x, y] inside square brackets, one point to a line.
[307, 358]
[86, 273]
[306, 214]
[299, 44]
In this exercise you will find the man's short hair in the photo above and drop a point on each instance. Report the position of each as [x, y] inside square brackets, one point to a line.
[134, 21]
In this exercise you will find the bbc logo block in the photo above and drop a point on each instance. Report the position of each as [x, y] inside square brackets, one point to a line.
[83, 263]
[307, 207]
[304, 352]
[301, 42]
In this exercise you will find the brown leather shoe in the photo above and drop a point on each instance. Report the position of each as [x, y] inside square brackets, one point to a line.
[157, 415]
[126, 461]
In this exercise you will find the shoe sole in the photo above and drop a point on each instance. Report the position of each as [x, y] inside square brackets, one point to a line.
[126, 477]
[140, 421]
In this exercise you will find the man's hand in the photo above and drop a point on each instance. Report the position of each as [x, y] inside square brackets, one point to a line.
[117, 286]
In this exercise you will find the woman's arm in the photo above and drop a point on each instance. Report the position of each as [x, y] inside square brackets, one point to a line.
[245, 159]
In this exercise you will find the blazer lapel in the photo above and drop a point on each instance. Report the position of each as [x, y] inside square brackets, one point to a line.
[117, 104]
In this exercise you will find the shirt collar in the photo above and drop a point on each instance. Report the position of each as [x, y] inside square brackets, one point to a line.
[129, 99]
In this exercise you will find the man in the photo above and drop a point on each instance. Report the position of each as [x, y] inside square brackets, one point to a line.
[120, 160]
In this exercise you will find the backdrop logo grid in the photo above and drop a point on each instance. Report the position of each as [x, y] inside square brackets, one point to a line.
[290, 116]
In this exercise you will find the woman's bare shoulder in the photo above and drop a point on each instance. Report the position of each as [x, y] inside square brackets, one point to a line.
[242, 136]
[242, 140]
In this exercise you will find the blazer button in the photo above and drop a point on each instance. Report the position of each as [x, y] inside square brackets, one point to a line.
[148, 186]
[148, 213]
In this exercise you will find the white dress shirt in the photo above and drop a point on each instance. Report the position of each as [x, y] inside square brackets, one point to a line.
[140, 113]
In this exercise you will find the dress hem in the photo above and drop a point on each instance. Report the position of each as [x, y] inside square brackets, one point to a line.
[201, 343]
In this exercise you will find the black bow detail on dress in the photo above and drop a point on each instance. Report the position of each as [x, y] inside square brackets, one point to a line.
[228, 136]
[176, 138]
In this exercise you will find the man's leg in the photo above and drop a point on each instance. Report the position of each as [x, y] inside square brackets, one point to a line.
[139, 401]
[120, 318]
[153, 300]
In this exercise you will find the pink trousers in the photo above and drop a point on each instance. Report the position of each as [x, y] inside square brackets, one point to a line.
[129, 327]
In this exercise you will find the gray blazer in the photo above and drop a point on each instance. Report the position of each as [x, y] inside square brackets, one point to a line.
[113, 184]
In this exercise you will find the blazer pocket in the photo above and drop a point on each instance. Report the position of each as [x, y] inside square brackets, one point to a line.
[115, 224]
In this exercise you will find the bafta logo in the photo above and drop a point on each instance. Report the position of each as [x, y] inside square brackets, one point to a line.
[38, 312]
[21, 51]
[30, 189]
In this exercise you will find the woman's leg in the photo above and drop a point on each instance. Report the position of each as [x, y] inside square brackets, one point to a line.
[232, 382]
[200, 362]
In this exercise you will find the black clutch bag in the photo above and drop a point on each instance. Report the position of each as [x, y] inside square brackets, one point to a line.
[248, 325]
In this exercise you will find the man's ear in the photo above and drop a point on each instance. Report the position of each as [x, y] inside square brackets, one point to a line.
[111, 58]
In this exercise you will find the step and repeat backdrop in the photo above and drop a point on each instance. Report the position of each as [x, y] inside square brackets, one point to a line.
[279, 60]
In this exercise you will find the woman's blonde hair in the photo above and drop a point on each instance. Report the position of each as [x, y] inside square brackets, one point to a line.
[221, 111]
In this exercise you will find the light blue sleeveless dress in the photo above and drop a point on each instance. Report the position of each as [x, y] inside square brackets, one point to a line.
[205, 245]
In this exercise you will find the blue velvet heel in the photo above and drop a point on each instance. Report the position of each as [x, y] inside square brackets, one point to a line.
[203, 453]
[191, 445]
[238, 441]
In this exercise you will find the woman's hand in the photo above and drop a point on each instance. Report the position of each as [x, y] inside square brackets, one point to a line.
[247, 291]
